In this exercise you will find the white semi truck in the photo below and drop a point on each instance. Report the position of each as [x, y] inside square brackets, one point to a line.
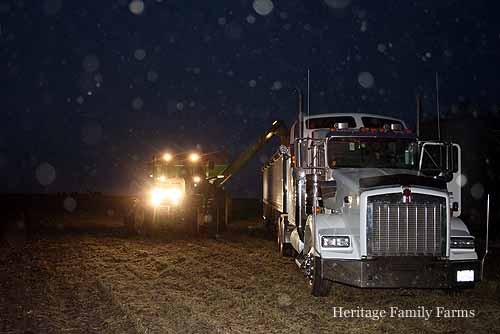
[358, 199]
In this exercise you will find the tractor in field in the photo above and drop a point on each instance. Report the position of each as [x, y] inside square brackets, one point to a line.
[186, 191]
[179, 195]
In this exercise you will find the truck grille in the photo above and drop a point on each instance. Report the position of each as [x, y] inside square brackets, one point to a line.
[395, 228]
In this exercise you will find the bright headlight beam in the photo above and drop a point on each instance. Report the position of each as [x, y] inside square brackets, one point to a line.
[157, 196]
[171, 195]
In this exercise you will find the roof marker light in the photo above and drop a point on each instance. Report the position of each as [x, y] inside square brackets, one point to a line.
[167, 157]
[194, 157]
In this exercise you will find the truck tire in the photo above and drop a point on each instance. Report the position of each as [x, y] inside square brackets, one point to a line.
[319, 287]
[285, 249]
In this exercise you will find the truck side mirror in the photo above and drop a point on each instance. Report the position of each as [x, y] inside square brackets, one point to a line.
[446, 176]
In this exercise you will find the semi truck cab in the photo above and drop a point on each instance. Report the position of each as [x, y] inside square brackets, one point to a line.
[358, 199]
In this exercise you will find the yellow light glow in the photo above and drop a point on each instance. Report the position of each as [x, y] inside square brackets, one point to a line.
[196, 179]
[171, 195]
[167, 157]
[194, 157]
[269, 135]
[162, 178]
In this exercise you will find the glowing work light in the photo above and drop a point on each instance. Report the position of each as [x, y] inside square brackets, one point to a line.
[167, 157]
[161, 195]
[194, 157]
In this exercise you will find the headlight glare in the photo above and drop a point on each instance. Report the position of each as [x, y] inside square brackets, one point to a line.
[160, 195]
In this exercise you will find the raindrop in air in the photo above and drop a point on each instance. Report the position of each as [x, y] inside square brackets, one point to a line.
[337, 4]
[69, 204]
[140, 54]
[90, 63]
[52, 7]
[80, 99]
[364, 26]
[252, 83]
[381, 48]
[263, 7]
[477, 191]
[277, 85]
[152, 76]
[461, 180]
[221, 21]
[251, 19]
[136, 7]
[137, 103]
[45, 174]
[366, 80]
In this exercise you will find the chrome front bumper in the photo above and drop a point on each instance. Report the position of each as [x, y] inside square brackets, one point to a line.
[400, 272]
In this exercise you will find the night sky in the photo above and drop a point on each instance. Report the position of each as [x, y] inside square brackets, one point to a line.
[90, 90]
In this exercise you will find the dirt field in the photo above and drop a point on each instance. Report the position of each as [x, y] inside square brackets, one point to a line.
[96, 280]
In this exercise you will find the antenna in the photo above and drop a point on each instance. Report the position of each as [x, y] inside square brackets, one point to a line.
[437, 107]
[308, 94]
[487, 234]
[419, 112]
[300, 112]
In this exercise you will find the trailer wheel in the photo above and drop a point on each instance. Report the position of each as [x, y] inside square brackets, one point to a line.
[285, 249]
[319, 287]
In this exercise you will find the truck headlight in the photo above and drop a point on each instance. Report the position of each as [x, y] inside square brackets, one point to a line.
[335, 241]
[160, 195]
[462, 242]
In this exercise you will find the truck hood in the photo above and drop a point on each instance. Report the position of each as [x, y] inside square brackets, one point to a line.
[356, 179]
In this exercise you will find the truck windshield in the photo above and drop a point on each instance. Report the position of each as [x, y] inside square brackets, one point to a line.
[372, 153]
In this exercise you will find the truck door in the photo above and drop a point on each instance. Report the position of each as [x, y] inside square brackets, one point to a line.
[444, 160]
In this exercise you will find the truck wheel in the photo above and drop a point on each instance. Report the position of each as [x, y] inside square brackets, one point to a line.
[285, 249]
[319, 287]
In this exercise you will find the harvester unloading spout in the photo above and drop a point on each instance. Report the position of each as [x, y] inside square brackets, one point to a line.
[277, 129]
